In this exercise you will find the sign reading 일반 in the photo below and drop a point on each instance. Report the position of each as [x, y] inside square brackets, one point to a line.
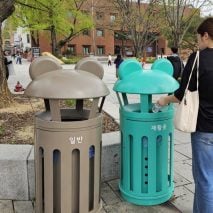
[36, 52]
[76, 140]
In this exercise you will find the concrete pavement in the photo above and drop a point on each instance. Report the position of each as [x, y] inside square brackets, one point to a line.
[112, 202]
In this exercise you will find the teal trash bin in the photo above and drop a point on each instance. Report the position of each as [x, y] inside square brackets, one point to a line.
[146, 176]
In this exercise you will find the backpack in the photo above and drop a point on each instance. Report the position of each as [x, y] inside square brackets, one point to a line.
[177, 66]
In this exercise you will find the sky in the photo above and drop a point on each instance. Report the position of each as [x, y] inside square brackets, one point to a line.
[207, 11]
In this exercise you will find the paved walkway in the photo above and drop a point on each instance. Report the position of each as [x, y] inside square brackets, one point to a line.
[112, 201]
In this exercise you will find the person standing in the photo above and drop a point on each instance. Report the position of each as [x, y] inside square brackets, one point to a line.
[10, 65]
[176, 63]
[19, 58]
[117, 63]
[202, 139]
[6, 63]
[109, 60]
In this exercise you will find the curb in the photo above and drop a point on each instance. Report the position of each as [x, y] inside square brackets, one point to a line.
[17, 175]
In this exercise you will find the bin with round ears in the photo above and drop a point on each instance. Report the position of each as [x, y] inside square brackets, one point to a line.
[147, 138]
[67, 139]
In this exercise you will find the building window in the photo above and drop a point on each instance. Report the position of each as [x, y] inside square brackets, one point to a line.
[86, 49]
[112, 17]
[70, 49]
[100, 50]
[99, 15]
[86, 32]
[28, 38]
[149, 49]
[100, 32]
[128, 51]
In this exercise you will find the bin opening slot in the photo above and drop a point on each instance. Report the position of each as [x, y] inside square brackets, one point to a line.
[47, 104]
[79, 105]
[74, 115]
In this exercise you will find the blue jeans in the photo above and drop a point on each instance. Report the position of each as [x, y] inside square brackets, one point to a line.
[202, 169]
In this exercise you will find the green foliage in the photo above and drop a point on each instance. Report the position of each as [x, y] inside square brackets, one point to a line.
[2, 130]
[190, 38]
[71, 60]
[149, 60]
[70, 102]
[62, 16]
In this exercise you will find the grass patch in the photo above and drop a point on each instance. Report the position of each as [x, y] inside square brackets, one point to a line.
[2, 130]
[72, 60]
[70, 102]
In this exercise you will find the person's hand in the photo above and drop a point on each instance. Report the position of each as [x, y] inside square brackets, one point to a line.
[163, 101]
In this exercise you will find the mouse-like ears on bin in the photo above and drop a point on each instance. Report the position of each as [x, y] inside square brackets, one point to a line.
[164, 65]
[43, 64]
[91, 65]
[130, 66]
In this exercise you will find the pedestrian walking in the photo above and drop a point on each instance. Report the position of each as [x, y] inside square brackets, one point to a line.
[109, 60]
[176, 63]
[10, 65]
[7, 62]
[202, 139]
[19, 58]
[117, 63]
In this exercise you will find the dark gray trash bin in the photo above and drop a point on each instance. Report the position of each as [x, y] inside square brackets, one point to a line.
[67, 140]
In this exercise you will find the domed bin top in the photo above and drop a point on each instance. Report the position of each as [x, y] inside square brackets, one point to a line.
[56, 83]
[53, 83]
[67, 84]
[133, 79]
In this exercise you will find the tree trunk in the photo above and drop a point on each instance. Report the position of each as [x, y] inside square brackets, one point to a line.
[6, 8]
[5, 95]
[53, 40]
[35, 38]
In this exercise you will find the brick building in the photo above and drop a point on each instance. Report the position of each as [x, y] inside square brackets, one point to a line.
[104, 38]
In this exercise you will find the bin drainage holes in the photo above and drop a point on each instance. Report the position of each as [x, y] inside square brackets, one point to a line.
[146, 167]
[146, 158]
[146, 182]
[146, 174]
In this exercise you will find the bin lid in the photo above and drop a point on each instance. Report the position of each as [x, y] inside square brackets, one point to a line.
[133, 79]
[67, 84]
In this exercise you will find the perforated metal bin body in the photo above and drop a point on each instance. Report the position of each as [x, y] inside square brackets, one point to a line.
[67, 140]
[147, 147]
[67, 173]
[146, 175]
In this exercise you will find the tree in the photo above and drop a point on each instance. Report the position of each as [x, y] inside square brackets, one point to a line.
[6, 9]
[190, 38]
[178, 16]
[140, 22]
[62, 18]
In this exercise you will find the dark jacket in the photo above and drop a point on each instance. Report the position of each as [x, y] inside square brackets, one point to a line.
[177, 66]
[117, 62]
[6, 62]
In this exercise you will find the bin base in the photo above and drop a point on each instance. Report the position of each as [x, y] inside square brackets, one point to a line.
[146, 200]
